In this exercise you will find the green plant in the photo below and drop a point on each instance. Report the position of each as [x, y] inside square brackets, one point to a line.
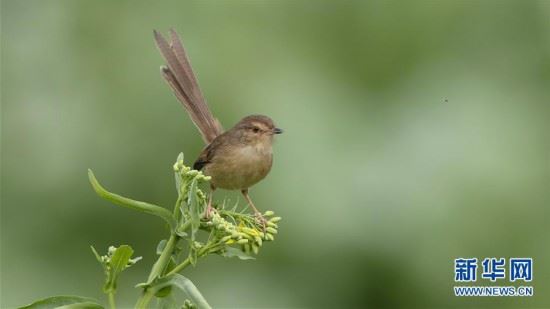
[227, 232]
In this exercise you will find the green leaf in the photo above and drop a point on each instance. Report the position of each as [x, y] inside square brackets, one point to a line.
[177, 175]
[168, 302]
[180, 157]
[180, 231]
[235, 252]
[161, 246]
[64, 302]
[87, 305]
[132, 204]
[165, 291]
[97, 256]
[194, 210]
[119, 262]
[185, 285]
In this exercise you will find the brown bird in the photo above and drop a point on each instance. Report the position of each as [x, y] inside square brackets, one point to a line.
[235, 159]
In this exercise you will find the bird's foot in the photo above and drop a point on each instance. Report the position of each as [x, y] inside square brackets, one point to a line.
[208, 211]
[260, 219]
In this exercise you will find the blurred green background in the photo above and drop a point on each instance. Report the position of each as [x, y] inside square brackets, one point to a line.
[415, 133]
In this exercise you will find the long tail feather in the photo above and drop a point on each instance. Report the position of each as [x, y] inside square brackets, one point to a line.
[179, 75]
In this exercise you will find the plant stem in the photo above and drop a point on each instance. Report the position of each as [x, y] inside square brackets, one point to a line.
[180, 266]
[112, 300]
[204, 251]
[145, 298]
[164, 258]
[158, 270]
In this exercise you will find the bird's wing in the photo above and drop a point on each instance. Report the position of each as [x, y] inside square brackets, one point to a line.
[206, 155]
[179, 75]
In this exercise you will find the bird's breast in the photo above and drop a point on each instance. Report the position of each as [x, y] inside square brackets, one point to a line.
[240, 167]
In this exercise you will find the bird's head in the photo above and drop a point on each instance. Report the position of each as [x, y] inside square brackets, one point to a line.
[256, 129]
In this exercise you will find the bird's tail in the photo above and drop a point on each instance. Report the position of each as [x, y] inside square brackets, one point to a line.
[180, 77]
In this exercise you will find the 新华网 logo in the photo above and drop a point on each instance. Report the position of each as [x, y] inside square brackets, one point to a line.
[493, 270]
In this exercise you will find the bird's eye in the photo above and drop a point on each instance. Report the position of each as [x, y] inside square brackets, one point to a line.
[256, 129]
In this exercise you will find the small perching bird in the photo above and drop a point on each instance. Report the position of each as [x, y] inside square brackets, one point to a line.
[235, 159]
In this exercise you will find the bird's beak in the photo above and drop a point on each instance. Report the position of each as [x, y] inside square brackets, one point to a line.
[277, 131]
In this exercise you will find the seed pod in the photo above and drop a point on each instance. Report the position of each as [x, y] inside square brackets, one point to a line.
[269, 213]
[275, 219]
[271, 230]
[255, 249]
[242, 241]
[272, 224]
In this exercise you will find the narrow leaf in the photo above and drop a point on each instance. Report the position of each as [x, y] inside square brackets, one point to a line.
[97, 256]
[86, 305]
[180, 282]
[161, 246]
[177, 174]
[194, 210]
[132, 204]
[62, 302]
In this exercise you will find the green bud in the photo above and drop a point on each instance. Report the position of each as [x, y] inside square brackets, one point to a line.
[271, 230]
[242, 241]
[275, 219]
[225, 239]
[269, 237]
[258, 240]
[255, 249]
[269, 213]
[272, 224]
[111, 250]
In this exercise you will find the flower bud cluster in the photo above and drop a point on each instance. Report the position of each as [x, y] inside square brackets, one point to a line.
[247, 233]
[187, 304]
[186, 176]
[188, 172]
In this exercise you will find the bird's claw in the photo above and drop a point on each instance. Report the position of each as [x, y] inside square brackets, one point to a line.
[207, 212]
[260, 218]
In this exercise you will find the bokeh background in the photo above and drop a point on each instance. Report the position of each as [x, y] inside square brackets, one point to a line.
[415, 133]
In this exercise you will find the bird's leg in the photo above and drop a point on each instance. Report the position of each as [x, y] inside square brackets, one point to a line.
[256, 211]
[209, 207]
